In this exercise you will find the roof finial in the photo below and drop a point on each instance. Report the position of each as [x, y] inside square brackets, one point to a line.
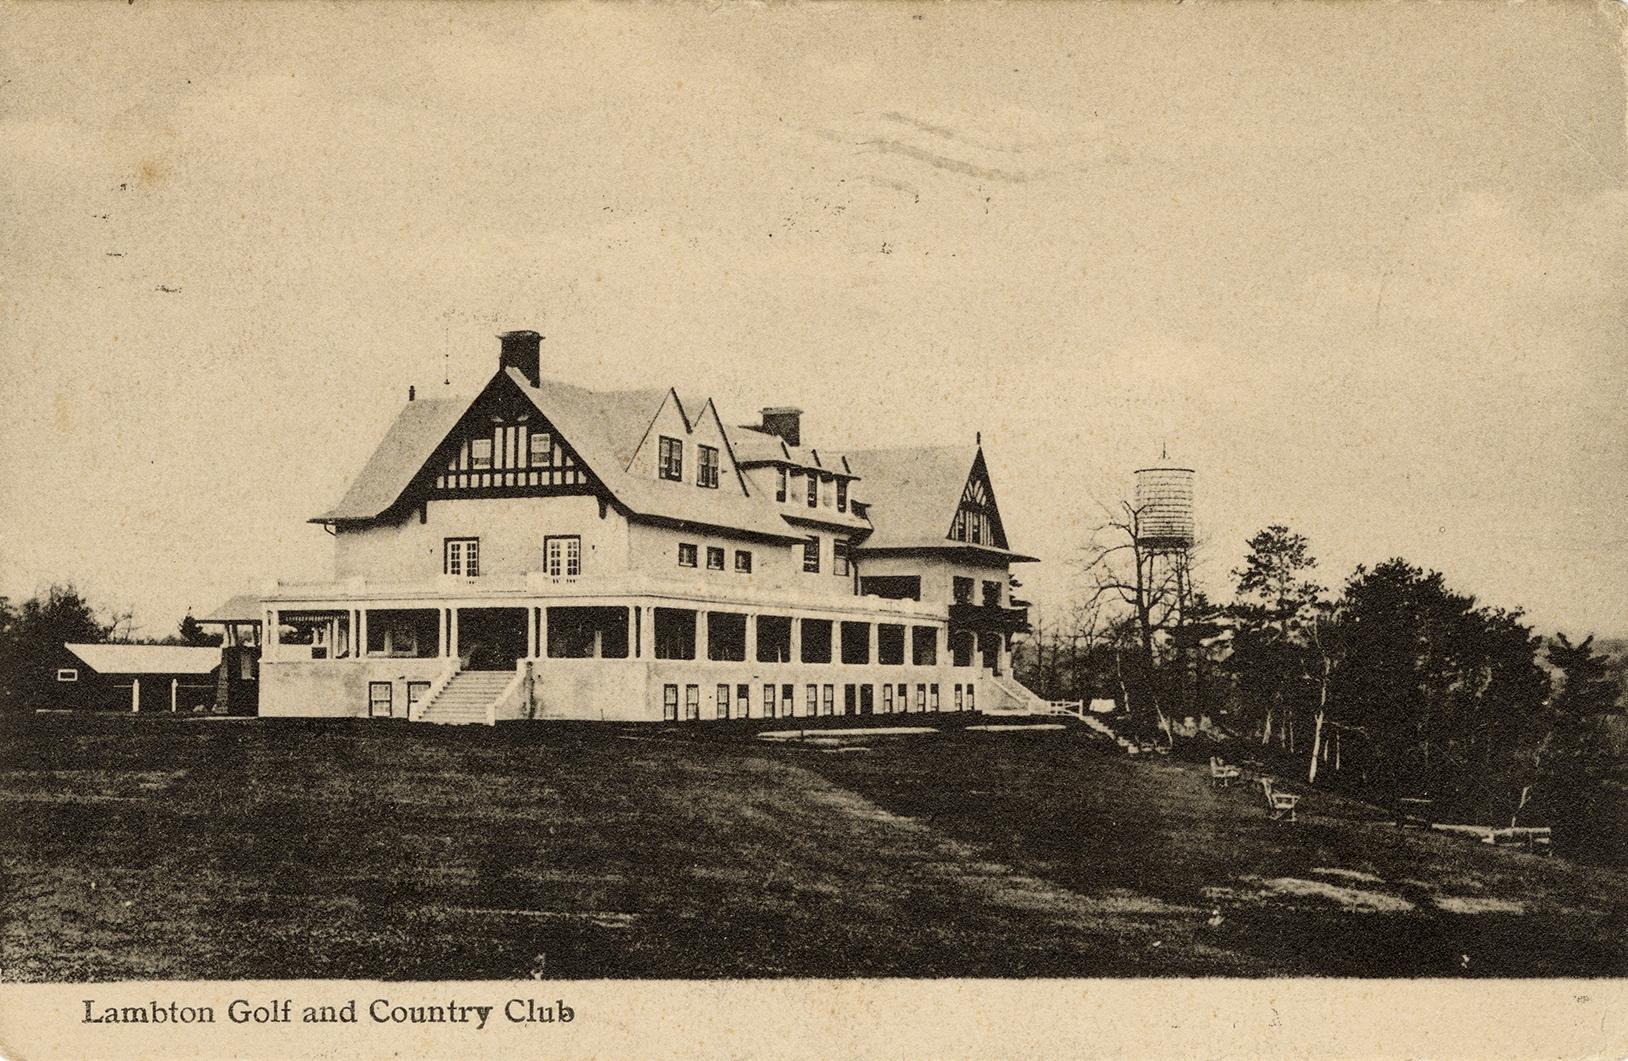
[978, 437]
[1164, 451]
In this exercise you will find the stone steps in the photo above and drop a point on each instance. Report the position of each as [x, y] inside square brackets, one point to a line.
[465, 698]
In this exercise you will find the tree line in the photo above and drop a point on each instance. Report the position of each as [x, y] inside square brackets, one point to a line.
[1394, 685]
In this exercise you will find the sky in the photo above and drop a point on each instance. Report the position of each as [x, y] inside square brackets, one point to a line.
[1361, 266]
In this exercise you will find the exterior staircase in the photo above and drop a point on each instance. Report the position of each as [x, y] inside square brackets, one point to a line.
[464, 699]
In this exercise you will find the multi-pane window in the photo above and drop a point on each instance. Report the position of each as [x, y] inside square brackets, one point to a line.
[378, 699]
[932, 694]
[416, 691]
[480, 453]
[768, 700]
[839, 557]
[921, 696]
[670, 452]
[813, 490]
[780, 484]
[706, 471]
[669, 703]
[811, 700]
[692, 703]
[686, 554]
[958, 529]
[811, 553]
[842, 495]
[715, 558]
[887, 698]
[743, 561]
[461, 557]
[828, 700]
[542, 448]
[723, 701]
[563, 556]
[743, 700]
[960, 702]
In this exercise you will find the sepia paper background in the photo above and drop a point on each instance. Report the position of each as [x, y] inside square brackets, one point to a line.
[1361, 265]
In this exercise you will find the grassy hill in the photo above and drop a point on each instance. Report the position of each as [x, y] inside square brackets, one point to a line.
[157, 847]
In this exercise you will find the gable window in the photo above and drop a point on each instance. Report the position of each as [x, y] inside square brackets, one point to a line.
[715, 558]
[686, 554]
[976, 519]
[461, 557]
[542, 448]
[839, 557]
[68, 674]
[780, 484]
[813, 490]
[743, 562]
[706, 472]
[842, 495]
[671, 454]
[562, 556]
[811, 553]
[480, 453]
[958, 529]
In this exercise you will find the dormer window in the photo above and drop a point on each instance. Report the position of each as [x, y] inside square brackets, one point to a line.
[480, 453]
[842, 495]
[813, 490]
[671, 454]
[780, 484]
[706, 472]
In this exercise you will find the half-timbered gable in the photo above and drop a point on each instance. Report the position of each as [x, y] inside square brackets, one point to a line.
[977, 518]
[504, 446]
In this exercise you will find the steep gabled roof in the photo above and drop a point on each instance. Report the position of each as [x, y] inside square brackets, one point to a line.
[912, 494]
[420, 427]
[596, 423]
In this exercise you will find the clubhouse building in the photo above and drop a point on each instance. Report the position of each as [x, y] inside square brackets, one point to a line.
[545, 551]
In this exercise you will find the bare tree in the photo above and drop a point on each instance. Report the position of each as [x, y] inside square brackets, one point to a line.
[1148, 582]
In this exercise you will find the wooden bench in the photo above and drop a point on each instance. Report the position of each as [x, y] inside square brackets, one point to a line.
[1278, 803]
[1532, 838]
[1222, 773]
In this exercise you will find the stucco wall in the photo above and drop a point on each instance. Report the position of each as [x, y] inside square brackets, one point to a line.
[337, 688]
[511, 533]
[937, 575]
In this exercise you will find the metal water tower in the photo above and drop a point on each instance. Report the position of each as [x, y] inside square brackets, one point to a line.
[1164, 505]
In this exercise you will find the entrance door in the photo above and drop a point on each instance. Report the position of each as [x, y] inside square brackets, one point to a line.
[867, 699]
[491, 638]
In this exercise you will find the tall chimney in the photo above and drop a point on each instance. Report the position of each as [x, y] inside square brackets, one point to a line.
[522, 350]
[785, 421]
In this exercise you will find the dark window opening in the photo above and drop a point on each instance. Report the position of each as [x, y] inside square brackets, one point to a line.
[816, 640]
[813, 490]
[675, 633]
[587, 633]
[839, 557]
[924, 646]
[842, 495]
[856, 642]
[726, 637]
[743, 562]
[962, 589]
[721, 701]
[890, 645]
[686, 554]
[715, 558]
[891, 587]
[780, 484]
[811, 554]
[773, 639]
[404, 633]
[992, 592]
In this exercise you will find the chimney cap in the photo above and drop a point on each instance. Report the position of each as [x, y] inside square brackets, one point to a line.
[520, 333]
[781, 410]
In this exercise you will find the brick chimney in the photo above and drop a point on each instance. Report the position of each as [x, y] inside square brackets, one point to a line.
[522, 350]
[784, 421]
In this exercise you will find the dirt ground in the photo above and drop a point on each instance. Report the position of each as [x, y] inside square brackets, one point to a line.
[177, 848]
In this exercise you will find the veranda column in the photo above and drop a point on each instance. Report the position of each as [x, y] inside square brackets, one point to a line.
[751, 638]
[632, 642]
[647, 635]
[873, 633]
[700, 634]
[796, 641]
[452, 629]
